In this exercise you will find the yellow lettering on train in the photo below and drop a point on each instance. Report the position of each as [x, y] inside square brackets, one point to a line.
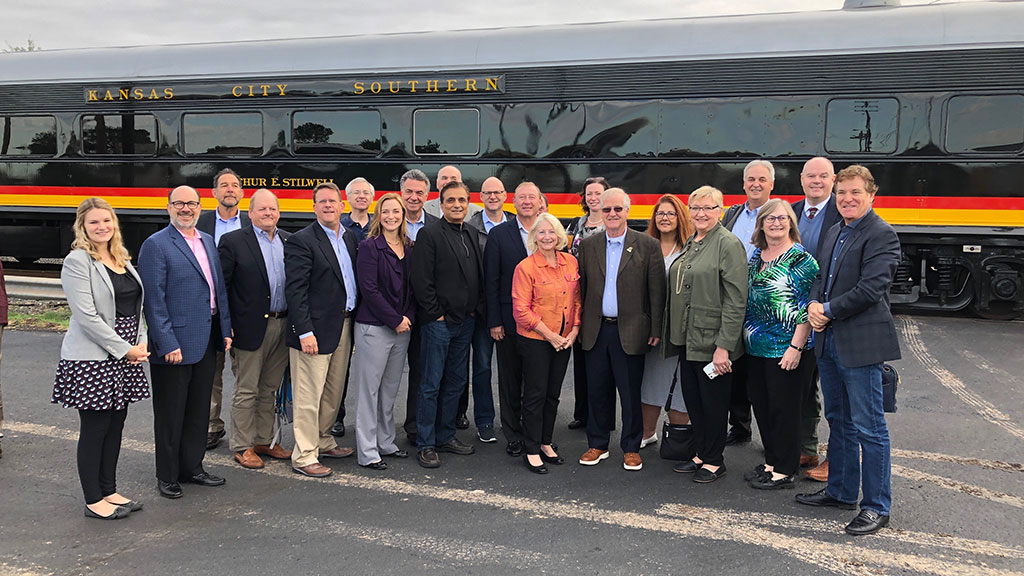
[265, 87]
[412, 85]
[359, 88]
[153, 95]
[432, 86]
[453, 86]
[273, 180]
[138, 94]
[168, 93]
[122, 94]
[470, 85]
[108, 97]
[281, 87]
[93, 96]
[236, 91]
[375, 87]
[492, 84]
[250, 91]
[394, 87]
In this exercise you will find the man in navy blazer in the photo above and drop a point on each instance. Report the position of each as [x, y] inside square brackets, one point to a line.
[850, 312]
[186, 309]
[815, 214]
[322, 293]
[505, 249]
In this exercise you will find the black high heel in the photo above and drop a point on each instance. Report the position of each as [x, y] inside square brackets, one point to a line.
[542, 469]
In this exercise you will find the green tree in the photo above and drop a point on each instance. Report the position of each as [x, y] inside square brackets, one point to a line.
[29, 46]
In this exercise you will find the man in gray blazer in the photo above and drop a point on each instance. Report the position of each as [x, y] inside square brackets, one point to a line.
[849, 310]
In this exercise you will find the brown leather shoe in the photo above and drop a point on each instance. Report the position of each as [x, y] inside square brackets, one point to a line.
[808, 461]
[337, 452]
[314, 470]
[632, 461]
[820, 472]
[592, 456]
[249, 459]
[277, 451]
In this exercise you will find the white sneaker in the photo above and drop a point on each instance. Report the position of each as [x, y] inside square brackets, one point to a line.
[648, 441]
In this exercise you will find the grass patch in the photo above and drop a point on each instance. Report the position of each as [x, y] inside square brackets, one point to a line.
[38, 315]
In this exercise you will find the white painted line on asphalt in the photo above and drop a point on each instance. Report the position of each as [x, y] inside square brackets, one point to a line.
[981, 362]
[949, 483]
[839, 558]
[988, 411]
[938, 457]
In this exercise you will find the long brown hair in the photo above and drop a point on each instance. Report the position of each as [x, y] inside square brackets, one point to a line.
[684, 228]
[116, 244]
[377, 228]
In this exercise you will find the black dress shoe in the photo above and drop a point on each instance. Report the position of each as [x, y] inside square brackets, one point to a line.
[455, 446]
[514, 448]
[170, 490]
[577, 424]
[378, 465]
[821, 498]
[766, 483]
[757, 473]
[461, 423]
[397, 454]
[688, 467]
[205, 479]
[542, 469]
[736, 437]
[338, 429]
[867, 522]
[556, 459]
[213, 439]
[705, 476]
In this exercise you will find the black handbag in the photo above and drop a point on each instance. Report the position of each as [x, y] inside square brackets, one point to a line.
[890, 382]
[676, 439]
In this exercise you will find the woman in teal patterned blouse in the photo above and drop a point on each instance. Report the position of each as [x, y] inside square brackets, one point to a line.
[775, 333]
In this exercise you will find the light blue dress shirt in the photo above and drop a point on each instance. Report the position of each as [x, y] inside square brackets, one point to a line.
[347, 270]
[524, 234]
[488, 225]
[222, 227]
[612, 256]
[413, 228]
[273, 259]
[746, 221]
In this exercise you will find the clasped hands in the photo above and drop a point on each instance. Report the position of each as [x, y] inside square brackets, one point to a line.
[816, 316]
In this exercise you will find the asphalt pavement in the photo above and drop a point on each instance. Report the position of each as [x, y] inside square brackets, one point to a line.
[958, 493]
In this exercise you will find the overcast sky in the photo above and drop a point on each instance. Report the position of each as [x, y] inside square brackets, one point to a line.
[56, 24]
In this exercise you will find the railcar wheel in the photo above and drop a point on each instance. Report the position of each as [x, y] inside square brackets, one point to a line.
[997, 310]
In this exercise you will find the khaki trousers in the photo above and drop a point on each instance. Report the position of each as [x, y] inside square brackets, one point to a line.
[259, 374]
[216, 397]
[318, 382]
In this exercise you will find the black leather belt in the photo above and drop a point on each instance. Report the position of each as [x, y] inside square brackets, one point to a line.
[609, 320]
[277, 314]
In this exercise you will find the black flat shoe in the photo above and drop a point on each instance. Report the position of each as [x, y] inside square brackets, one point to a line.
[461, 423]
[577, 424]
[397, 454]
[766, 483]
[378, 465]
[514, 448]
[757, 473]
[688, 467]
[542, 469]
[705, 476]
[867, 522]
[132, 505]
[117, 514]
[170, 490]
[205, 479]
[556, 459]
[821, 498]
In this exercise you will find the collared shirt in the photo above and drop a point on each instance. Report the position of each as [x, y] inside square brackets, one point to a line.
[199, 250]
[810, 228]
[844, 234]
[612, 256]
[273, 259]
[413, 228]
[488, 225]
[744, 226]
[355, 227]
[545, 293]
[347, 271]
[222, 227]
[524, 234]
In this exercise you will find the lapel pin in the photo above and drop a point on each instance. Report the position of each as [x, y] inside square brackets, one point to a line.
[630, 249]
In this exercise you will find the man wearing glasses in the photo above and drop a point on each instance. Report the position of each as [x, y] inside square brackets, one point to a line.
[622, 280]
[186, 307]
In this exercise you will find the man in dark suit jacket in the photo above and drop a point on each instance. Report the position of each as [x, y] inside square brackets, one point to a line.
[227, 190]
[3, 322]
[505, 249]
[448, 284]
[188, 316]
[850, 311]
[322, 293]
[253, 262]
[815, 214]
[622, 280]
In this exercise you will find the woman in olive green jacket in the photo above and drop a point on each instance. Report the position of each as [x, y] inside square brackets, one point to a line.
[706, 304]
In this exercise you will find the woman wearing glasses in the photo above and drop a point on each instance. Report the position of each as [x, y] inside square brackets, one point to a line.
[775, 334]
[707, 298]
[670, 225]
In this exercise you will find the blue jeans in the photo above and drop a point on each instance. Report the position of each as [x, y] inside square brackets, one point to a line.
[444, 352]
[483, 397]
[853, 408]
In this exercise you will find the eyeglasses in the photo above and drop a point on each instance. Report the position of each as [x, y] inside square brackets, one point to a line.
[492, 193]
[774, 219]
[660, 214]
[608, 209]
[699, 209]
[178, 204]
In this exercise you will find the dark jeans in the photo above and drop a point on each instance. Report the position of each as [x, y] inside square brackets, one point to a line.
[483, 397]
[708, 404]
[776, 396]
[415, 375]
[739, 403]
[609, 368]
[543, 372]
[99, 445]
[510, 387]
[444, 352]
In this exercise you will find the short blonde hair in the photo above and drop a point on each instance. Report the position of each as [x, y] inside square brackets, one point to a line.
[758, 239]
[531, 239]
[706, 192]
[115, 245]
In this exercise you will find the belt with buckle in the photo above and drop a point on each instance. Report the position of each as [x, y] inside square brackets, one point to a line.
[277, 314]
[609, 320]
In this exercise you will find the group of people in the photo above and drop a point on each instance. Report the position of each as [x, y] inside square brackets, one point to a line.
[713, 303]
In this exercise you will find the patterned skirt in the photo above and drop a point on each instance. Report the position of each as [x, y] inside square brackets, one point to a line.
[109, 384]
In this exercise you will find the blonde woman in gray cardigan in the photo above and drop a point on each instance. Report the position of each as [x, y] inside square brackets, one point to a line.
[706, 304]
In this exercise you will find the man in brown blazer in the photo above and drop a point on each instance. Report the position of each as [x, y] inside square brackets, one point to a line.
[622, 278]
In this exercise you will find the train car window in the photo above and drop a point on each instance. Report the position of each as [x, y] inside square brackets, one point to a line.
[223, 134]
[862, 125]
[985, 124]
[28, 136]
[127, 134]
[336, 132]
[446, 132]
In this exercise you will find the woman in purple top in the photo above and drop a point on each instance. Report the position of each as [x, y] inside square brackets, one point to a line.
[382, 325]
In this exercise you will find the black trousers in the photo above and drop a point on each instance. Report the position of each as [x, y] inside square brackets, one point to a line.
[543, 372]
[776, 396]
[708, 404]
[581, 407]
[810, 409]
[510, 386]
[739, 402]
[181, 413]
[415, 374]
[609, 368]
[99, 445]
